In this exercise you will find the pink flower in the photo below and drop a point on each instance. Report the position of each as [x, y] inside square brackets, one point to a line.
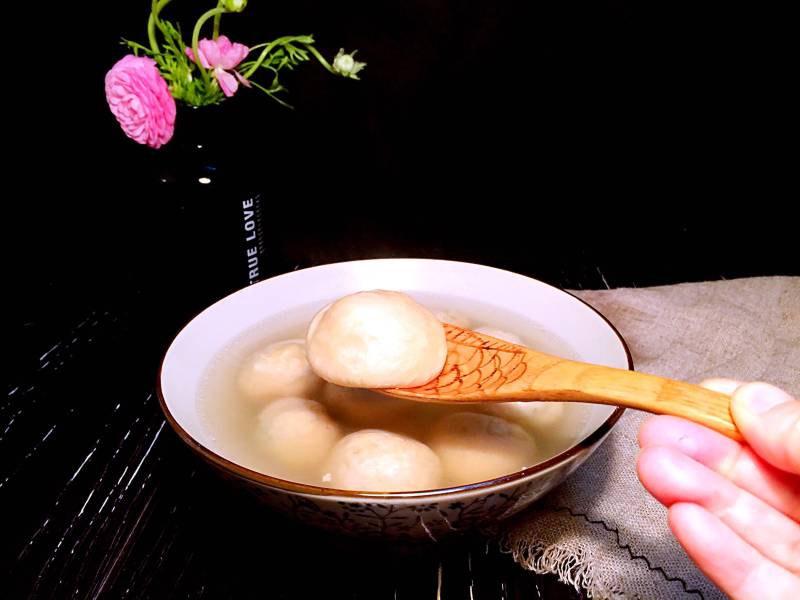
[222, 56]
[140, 100]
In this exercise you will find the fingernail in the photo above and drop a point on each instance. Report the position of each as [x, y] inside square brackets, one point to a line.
[723, 386]
[758, 398]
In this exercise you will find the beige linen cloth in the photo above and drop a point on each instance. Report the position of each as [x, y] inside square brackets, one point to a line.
[600, 530]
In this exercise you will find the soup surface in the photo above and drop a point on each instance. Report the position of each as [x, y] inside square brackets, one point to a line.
[267, 412]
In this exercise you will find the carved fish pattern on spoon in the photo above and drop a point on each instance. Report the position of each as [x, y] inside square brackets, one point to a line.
[480, 368]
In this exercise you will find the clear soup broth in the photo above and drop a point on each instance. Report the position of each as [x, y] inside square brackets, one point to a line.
[232, 417]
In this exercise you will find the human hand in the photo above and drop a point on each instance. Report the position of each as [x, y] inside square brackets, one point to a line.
[734, 507]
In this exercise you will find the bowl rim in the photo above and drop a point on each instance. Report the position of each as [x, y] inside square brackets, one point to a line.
[314, 490]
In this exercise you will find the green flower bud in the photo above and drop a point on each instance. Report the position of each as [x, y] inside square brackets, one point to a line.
[346, 66]
[234, 5]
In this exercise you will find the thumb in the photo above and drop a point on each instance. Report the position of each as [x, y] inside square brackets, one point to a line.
[769, 419]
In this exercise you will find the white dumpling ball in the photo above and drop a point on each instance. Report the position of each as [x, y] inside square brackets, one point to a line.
[500, 334]
[280, 369]
[476, 447]
[364, 408]
[381, 461]
[296, 433]
[376, 339]
[539, 416]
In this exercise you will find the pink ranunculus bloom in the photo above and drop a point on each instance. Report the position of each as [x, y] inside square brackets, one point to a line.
[222, 55]
[140, 100]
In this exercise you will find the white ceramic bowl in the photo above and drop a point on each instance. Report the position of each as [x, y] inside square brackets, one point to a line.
[419, 514]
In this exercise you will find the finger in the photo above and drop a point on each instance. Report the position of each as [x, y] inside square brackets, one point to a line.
[724, 386]
[736, 567]
[673, 477]
[769, 420]
[730, 459]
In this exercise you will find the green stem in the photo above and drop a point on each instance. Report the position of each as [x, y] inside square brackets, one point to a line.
[217, 19]
[151, 27]
[265, 53]
[196, 37]
[261, 57]
[321, 60]
[159, 24]
[156, 6]
[257, 46]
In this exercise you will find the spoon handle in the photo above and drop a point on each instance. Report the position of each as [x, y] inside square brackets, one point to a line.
[480, 368]
[576, 381]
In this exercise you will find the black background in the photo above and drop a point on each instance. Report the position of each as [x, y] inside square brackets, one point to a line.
[583, 143]
[651, 140]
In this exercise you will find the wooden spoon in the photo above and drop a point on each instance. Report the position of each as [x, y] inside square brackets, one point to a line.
[480, 368]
